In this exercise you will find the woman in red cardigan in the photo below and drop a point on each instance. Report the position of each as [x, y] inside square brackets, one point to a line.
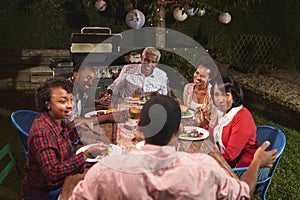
[235, 130]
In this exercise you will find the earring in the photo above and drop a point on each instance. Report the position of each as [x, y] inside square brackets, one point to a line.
[48, 108]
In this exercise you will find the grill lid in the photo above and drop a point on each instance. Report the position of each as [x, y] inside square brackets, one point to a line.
[94, 40]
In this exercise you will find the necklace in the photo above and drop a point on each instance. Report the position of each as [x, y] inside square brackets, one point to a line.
[199, 95]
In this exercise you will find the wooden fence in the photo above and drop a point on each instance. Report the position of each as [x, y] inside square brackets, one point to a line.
[255, 51]
[26, 68]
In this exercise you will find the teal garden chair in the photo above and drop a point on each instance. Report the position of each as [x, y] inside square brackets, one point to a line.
[7, 166]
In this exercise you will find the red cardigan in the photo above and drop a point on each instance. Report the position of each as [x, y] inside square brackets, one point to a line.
[239, 139]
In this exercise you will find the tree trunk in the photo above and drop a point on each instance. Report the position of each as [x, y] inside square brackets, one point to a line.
[160, 23]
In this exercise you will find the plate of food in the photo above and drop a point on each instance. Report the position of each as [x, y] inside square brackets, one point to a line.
[96, 153]
[185, 112]
[138, 99]
[131, 124]
[137, 102]
[95, 113]
[99, 112]
[193, 133]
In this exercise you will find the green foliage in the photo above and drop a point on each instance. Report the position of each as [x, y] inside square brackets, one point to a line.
[150, 7]
[285, 59]
[182, 65]
[38, 25]
[45, 24]
[220, 47]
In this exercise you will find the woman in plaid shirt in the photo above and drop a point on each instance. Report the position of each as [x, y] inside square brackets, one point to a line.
[51, 156]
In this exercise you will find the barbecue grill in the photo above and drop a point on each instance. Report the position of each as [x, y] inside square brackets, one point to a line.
[98, 47]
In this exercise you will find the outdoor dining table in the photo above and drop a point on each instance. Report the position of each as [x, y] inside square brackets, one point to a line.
[113, 132]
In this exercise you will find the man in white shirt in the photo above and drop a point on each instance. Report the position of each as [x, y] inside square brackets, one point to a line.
[144, 78]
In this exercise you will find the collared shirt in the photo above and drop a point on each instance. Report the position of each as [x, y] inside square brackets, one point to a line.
[79, 105]
[159, 174]
[236, 133]
[50, 156]
[131, 80]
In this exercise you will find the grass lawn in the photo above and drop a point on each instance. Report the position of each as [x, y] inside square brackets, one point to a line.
[285, 184]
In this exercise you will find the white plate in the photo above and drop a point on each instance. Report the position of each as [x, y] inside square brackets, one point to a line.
[191, 114]
[130, 101]
[114, 150]
[200, 130]
[140, 102]
[140, 144]
[94, 113]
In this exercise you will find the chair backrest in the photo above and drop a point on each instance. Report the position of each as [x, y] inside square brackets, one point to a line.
[272, 134]
[22, 120]
[277, 141]
[6, 151]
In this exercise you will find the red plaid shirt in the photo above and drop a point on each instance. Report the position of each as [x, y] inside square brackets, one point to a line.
[50, 156]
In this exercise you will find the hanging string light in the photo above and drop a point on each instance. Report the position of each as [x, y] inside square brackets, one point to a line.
[100, 5]
[190, 7]
[191, 11]
[225, 18]
[179, 14]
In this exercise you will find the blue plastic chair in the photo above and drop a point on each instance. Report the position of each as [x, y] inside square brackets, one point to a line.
[22, 120]
[277, 141]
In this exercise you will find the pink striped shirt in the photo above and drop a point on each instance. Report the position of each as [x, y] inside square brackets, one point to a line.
[159, 173]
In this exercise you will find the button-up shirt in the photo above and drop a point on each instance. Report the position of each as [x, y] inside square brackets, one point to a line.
[159, 174]
[50, 156]
[131, 80]
[79, 105]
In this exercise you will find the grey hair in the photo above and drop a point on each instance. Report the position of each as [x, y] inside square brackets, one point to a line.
[152, 50]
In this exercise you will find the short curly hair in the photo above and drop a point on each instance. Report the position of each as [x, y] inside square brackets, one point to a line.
[43, 92]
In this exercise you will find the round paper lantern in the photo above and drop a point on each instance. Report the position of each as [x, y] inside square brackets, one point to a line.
[189, 10]
[135, 19]
[225, 18]
[179, 14]
[100, 5]
[201, 12]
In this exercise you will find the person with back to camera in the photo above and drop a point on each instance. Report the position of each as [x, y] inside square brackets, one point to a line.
[140, 78]
[51, 150]
[158, 171]
[235, 131]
